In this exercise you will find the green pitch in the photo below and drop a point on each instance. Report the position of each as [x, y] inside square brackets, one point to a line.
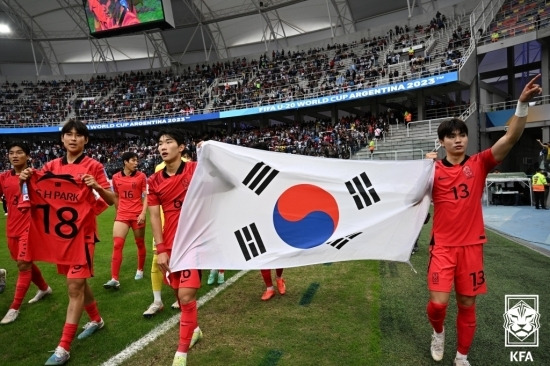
[350, 313]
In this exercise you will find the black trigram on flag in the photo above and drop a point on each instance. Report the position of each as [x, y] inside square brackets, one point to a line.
[259, 177]
[362, 191]
[250, 241]
[339, 243]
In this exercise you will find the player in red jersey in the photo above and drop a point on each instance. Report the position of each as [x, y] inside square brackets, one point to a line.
[79, 168]
[130, 187]
[167, 190]
[17, 233]
[458, 234]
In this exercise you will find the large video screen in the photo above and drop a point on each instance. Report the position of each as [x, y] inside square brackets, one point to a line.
[113, 17]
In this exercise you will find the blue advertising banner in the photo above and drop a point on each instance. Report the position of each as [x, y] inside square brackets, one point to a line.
[337, 98]
[349, 96]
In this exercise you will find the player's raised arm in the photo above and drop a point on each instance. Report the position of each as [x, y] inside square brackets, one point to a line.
[517, 123]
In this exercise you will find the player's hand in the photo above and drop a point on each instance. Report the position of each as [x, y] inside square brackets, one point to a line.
[25, 174]
[530, 90]
[90, 181]
[141, 218]
[163, 262]
[431, 155]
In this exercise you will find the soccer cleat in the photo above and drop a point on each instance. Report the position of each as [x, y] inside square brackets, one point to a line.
[438, 345]
[10, 316]
[281, 286]
[112, 283]
[268, 294]
[139, 275]
[3, 274]
[60, 357]
[154, 308]
[461, 362]
[179, 360]
[212, 276]
[40, 295]
[221, 278]
[90, 328]
[175, 306]
[197, 336]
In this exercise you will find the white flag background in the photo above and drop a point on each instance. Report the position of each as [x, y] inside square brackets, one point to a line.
[256, 209]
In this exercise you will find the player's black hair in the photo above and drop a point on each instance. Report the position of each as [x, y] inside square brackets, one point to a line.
[128, 155]
[78, 126]
[20, 144]
[175, 134]
[447, 128]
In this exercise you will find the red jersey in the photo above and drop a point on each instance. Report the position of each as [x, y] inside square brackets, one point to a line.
[86, 203]
[18, 221]
[100, 16]
[130, 190]
[457, 192]
[169, 192]
[61, 207]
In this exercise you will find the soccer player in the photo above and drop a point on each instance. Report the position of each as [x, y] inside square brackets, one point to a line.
[266, 273]
[220, 273]
[17, 233]
[130, 187]
[79, 220]
[167, 190]
[156, 276]
[270, 290]
[458, 234]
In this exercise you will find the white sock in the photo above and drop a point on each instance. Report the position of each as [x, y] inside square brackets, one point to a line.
[157, 297]
[461, 356]
[181, 354]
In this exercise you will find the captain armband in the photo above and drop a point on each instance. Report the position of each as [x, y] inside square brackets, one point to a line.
[160, 247]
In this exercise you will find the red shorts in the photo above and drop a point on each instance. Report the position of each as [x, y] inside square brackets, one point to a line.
[461, 265]
[132, 223]
[18, 248]
[79, 271]
[190, 278]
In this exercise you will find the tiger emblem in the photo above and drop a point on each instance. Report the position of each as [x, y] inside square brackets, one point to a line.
[521, 320]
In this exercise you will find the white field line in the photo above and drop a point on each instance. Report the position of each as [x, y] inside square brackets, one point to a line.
[162, 328]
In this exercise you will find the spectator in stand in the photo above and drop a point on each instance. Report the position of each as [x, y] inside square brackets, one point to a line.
[371, 147]
[411, 53]
[407, 116]
[494, 36]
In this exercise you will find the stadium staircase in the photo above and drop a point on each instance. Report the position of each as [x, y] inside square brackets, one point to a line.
[410, 142]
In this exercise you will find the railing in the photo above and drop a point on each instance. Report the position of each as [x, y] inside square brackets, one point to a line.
[395, 153]
[468, 112]
[435, 113]
[543, 99]
[482, 16]
[432, 123]
[435, 122]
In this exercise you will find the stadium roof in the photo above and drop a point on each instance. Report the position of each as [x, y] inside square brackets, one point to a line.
[205, 30]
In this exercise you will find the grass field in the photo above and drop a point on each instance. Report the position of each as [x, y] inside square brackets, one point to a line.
[349, 313]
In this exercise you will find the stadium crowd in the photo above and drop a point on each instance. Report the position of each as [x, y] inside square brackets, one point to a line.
[315, 138]
[283, 76]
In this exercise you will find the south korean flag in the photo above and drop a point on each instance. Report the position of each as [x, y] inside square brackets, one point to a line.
[254, 209]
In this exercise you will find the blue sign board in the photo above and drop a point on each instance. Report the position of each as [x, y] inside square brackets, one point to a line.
[306, 103]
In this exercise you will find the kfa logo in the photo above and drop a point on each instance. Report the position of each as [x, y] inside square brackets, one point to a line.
[521, 324]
